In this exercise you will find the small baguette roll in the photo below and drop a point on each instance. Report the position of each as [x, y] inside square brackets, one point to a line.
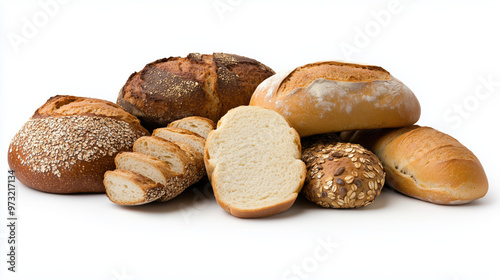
[253, 162]
[424, 163]
[198, 125]
[129, 188]
[335, 96]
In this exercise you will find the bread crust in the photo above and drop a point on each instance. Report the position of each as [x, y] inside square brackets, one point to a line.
[331, 96]
[427, 164]
[70, 142]
[172, 88]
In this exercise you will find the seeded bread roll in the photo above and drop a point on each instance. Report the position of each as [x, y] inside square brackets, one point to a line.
[197, 85]
[340, 175]
[334, 96]
[69, 142]
[424, 163]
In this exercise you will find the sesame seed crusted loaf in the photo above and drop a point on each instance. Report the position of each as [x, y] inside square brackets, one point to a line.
[70, 142]
[335, 96]
[197, 85]
[340, 175]
[426, 164]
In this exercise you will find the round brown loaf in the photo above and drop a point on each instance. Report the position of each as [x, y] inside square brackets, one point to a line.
[197, 85]
[334, 96]
[340, 175]
[69, 142]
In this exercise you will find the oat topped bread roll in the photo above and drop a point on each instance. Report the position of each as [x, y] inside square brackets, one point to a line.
[340, 175]
[69, 142]
[205, 85]
[335, 96]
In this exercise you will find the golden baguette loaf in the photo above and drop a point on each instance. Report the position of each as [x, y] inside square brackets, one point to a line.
[424, 163]
[335, 96]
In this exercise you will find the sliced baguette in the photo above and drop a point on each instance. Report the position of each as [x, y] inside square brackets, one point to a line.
[199, 125]
[129, 188]
[144, 165]
[253, 162]
[181, 135]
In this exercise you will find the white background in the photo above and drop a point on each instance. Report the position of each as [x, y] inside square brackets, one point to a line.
[440, 49]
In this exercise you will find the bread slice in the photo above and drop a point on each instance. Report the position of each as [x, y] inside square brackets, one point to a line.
[181, 135]
[147, 166]
[199, 125]
[253, 162]
[177, 159]
[129, 188]
[154, 169]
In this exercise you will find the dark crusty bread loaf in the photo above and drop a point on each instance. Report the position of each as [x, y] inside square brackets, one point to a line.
[69, 142]
[424, 163]
[197, 85]
[333, 96]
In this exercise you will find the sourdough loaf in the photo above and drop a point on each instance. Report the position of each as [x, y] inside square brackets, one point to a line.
[197, 85]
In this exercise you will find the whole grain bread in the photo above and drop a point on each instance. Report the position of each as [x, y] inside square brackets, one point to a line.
[70, 142]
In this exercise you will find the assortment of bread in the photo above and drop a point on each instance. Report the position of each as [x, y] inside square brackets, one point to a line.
[254, 157]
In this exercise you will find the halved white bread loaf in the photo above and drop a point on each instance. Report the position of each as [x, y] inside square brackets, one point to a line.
[253, 162]
[198, 125]
[129, 188]
[181, 135]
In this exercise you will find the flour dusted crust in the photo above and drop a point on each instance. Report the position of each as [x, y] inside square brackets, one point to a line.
[333, 96]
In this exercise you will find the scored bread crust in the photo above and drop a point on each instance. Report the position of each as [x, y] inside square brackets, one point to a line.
[70, 142]
[426, 164]
[211, 165]
[197, 85]
[332, 96]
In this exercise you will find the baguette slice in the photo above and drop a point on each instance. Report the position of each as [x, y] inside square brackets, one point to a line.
[181, 135]
[199, 125]
[129, 188]
[147, 166]
[178, 160]
[253, 162]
